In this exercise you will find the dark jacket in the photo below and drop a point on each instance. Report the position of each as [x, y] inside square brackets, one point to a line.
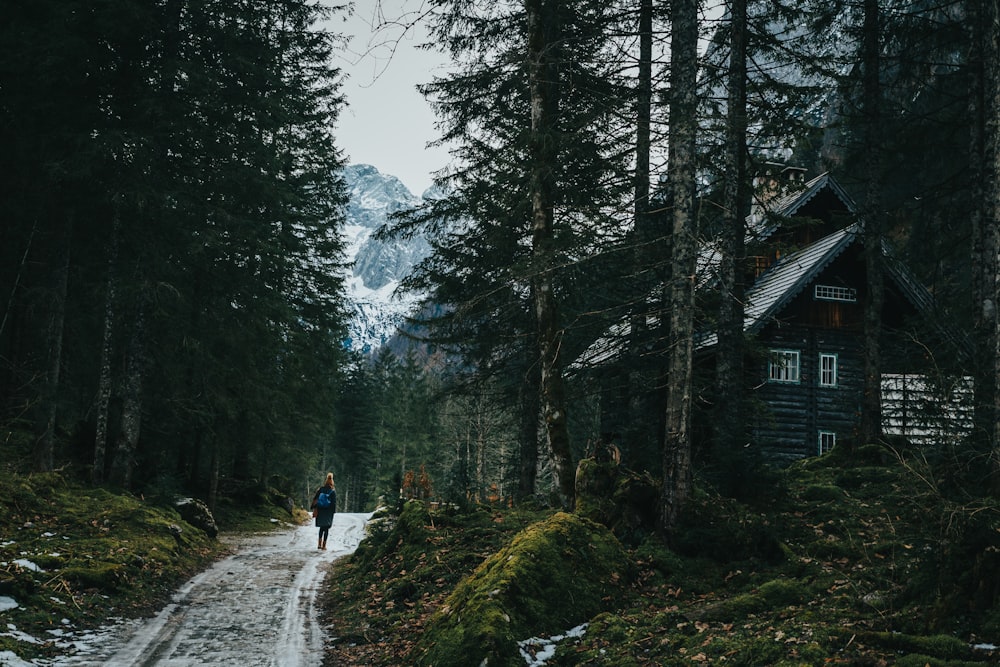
[324, 515]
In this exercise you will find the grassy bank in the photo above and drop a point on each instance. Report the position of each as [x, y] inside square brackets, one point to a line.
[73, 556]
[852, 562]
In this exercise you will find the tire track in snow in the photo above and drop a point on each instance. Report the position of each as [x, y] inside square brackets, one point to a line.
[257, 607]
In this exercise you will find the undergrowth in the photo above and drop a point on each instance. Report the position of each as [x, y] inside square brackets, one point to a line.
[846, 563]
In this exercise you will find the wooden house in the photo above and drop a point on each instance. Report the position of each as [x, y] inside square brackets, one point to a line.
[804, 314]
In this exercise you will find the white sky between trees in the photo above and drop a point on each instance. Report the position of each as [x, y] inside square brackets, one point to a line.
[387, 123]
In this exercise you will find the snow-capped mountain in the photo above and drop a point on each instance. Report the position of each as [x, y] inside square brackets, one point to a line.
[377, 266]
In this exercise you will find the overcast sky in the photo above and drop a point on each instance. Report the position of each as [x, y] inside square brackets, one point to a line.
[387, 123]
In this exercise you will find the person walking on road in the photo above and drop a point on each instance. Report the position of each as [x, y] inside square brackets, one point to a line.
[324, 506]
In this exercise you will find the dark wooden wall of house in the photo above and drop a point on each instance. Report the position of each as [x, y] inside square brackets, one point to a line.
[787, 417]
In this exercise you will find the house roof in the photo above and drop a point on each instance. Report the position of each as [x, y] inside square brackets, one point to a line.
[785, 279]
[761, 225]
[794, 273]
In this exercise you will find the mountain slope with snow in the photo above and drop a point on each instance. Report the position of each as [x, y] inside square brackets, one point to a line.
[377, 266]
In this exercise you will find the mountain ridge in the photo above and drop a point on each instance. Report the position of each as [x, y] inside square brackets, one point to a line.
[377, 266]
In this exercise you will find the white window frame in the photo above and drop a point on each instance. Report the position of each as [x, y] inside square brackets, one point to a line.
[785, 366]
[828, 375]
[826, 441]
[835, 293]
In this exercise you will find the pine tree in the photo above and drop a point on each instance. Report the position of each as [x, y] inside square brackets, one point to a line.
[991, 213]
[195, 154]
[543, 37]
[730, 397]
[982, 130]
[871, 408]
[482, 264]
[683, 123]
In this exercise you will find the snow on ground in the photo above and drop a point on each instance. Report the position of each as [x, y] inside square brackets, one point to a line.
[537, 651]
[255, 608]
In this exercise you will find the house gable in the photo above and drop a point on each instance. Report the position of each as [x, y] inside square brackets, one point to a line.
[781, 225]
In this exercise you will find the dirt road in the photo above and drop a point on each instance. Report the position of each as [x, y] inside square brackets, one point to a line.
[256, 607]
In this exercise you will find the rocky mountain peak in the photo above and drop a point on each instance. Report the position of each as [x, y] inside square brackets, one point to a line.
[377, 266]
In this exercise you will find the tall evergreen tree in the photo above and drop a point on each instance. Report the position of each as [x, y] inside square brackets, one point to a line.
[197, 155]
[991, 212]
[683, 129]
[730, 397]
[984, 228]
[871, 408]
[482, 265]
[543, 38]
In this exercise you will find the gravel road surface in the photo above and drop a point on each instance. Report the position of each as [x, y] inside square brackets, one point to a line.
[255, 608]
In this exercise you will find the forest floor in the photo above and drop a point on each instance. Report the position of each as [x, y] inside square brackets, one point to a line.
[866, 562]
[872, 560]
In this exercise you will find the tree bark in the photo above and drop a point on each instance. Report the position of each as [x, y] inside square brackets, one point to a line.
[636, 386]
[542, 74]
[983, 229]
[104, 379]
[871, 407]
[729, 387]
[213, 476]
[45, 445]
[528, 437]
[643, 112]
[991, 59]
[683, 125]
[131, 419]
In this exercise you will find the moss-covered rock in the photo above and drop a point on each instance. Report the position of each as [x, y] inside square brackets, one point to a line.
[552, 576]
[197, 513]
[774, 594]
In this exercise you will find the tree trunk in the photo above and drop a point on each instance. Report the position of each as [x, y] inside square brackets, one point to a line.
[528, 434]
[984, 306]
[643, 112]
[45, 445]
[871, 407]
[729, 387]
[213, 476]
[683, 124]
[131, 419]
[991, 58]
[462, 454]
[636, 387]
[480, 444]
[542, 74]
[104, 381]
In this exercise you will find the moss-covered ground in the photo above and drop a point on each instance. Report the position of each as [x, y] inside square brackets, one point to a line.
[73, 556]
[834, 562]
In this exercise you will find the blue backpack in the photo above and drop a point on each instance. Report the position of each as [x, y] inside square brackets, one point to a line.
[323, 500]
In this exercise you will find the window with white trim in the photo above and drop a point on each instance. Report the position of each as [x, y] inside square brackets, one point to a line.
[784, 366]
[835, 293]
[827, 441]
[827, 370]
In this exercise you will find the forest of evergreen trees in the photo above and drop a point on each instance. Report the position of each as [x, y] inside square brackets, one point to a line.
[171, 267]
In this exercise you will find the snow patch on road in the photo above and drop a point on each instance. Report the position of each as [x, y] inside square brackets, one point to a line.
[257, 607]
